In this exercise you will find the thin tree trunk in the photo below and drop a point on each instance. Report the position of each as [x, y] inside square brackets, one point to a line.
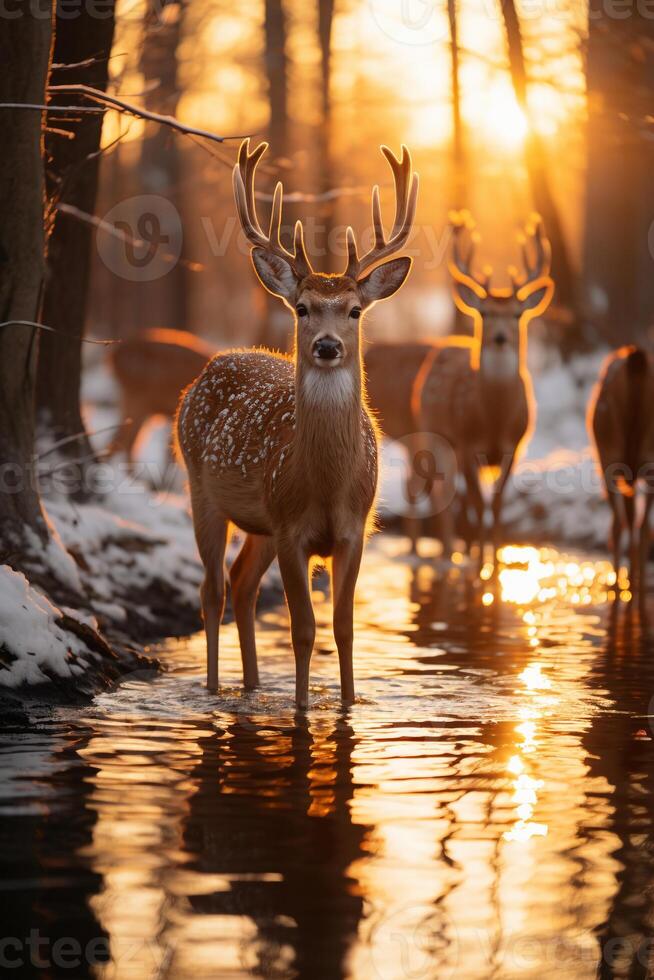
[72, 166]
[536, 165]
[459, 158]
[277, 325]
[277, 73]
[24, 55]
[165, 302]
[618, 275]
[460, 190]
[325, 161]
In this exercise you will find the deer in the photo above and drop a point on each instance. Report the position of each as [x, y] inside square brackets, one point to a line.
[152, 369]
[391, 370]
[621, 429]
[475, 393]
[284, 448]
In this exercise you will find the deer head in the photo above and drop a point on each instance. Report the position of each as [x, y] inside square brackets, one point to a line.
[502, 313]
[327, 308]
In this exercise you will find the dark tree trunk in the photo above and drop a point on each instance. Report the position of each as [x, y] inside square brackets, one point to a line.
[535, 160]
[277, 325]
[459, 158]
[72, 167]
[460, 192]
[277, 73]
[325, 161]
[24, 56]
[164, 303]
[619, 241]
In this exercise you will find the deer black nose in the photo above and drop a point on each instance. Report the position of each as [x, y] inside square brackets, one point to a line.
[328, 348]
[500, 339]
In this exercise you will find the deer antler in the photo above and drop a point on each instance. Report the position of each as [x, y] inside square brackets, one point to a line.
[534, 236]
[243, 177]
[406, 195]
[465, 238]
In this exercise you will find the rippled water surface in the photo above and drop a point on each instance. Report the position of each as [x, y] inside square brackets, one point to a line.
[484, 810]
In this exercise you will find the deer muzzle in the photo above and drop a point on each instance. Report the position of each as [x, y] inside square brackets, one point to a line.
[327, 349]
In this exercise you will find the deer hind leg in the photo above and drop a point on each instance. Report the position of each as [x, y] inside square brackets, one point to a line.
[345, 572]
[211, 536]
[246, 573]
[443, 497]
[498, 498]
[294, 566]
[413, 492]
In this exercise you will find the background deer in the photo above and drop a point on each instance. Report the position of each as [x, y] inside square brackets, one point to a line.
[152, 369]
[391, 371]
[621, 426]
[476, 393]
[284, 448]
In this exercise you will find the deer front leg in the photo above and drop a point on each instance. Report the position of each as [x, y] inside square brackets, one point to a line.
[211, 536]
[345, 571]
[498, 497]
[294, 566]
[250, 565]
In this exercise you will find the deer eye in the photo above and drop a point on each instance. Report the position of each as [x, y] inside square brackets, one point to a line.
[355, 312]
[301, 309]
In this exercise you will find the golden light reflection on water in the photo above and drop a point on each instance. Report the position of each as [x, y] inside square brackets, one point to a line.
[463, 807]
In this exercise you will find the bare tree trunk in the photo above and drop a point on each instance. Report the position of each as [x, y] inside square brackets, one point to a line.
[618, 275]
[459, 158]
[72, 166]
[536, 165]
[325, 161]
[277, 72]
[24, 56]
[163, 303]
[277, 324]
[460, 190]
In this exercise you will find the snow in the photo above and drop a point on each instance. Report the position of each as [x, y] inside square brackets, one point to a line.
[33, 643]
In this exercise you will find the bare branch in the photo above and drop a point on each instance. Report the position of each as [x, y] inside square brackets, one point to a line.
[112, 101]
[43, 326]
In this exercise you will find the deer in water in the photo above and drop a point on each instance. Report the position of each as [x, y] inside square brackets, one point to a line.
[621, 426]
[475, 394]
[284, 448]
[152, 370]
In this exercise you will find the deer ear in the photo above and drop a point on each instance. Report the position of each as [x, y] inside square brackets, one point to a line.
[276, 274]
[468, 294]
[536, 296]
[385, 280]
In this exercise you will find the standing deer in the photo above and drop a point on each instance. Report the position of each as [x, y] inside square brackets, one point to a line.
[152, 370]
[285, 449]
[475, 393]
[621, 426]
